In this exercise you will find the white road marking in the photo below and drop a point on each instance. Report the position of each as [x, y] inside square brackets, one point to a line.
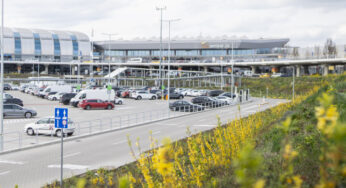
[123, 108]
[70, 166]
[156, 132]
[11, 162]
[71, 154]
[3, 173]
[120, 142]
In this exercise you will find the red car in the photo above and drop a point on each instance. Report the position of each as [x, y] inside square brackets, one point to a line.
[96, 103]
[125, 94]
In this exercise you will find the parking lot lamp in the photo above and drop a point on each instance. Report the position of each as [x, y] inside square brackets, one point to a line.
[160, 65]
[109, 60]
[2, 80]
[169, 57]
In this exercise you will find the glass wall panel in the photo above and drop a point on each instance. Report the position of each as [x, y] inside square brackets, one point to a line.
[214, 52]
[17, 44]
[164, 53]
[187, 53]
[115, 53]
[56, 45]
[138, 53]
[37, 42]
[74, 46]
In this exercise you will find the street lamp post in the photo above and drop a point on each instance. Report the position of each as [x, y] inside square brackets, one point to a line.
[2, 80]
[109, 59]
[232, 73]
[169, 58]
[160, 66]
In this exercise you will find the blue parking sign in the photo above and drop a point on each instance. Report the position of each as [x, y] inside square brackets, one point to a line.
[61, 118]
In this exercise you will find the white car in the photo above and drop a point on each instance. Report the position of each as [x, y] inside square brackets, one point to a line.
[276, 75]
[225, 99]
[55, 97]
[195, 93]
[118, 100]
[46, 126]
[138, 95]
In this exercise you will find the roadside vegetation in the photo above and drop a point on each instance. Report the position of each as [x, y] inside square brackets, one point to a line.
[297, 144]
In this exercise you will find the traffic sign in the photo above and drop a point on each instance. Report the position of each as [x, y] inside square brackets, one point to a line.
[61, 118]
[109, 87]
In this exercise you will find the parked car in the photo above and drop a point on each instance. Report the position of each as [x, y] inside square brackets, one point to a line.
[173, 95]
[56, 96]
[138, 95]
[101, 94]
[185, 106]
[47, 126]
[228, 94]
[118, 100]
[7, 86]
[125, 94]
[14, 110]
[214, 93]
[207, 101]
[49, 94]
[7, 96]
[13, 101]
[65, 99]
[275, 75]
[225, 99]
[88, 104]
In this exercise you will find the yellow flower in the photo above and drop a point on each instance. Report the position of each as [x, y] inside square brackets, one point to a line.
[260, 183]
[94, 181]
[297, 181]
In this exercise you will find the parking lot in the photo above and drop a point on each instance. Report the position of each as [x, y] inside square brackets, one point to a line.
[86, 121]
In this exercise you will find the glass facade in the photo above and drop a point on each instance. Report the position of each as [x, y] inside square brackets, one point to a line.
[187, 53]
[164, 53]
[74, 46]
[138, 53]
[57, 51]
[37, 42]
[264, 51]
[17, 45]
[214, 52]
[115, 53]
[243, 52]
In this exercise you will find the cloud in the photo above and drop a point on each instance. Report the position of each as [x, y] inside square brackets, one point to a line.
[305, 22]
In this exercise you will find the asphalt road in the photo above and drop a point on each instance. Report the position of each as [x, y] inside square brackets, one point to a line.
[35, 167]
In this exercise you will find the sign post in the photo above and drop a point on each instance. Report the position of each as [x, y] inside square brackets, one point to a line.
[61, 122]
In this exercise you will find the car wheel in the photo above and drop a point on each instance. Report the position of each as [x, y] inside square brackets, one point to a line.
[69, 134]
[181, 97]
[120, 102]
[54, 99]
[139, 98]
[28, 115]
[58, 133]
[88, 107]
[153, 98]
[109, 107]
[30, 132]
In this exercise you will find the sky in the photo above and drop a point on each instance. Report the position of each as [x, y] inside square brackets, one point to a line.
[304, 22]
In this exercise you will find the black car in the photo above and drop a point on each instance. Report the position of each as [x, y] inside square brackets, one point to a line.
[13, 101]
[7, 87]
[214, 93]
[185, 106]
[65, 99]
[228, 94]
[208, 101]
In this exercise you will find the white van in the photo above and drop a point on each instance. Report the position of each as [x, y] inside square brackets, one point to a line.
[93, 94]
[248, 73]
[56, 88]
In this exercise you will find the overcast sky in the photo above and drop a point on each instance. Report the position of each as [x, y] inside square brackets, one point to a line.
[305, 22]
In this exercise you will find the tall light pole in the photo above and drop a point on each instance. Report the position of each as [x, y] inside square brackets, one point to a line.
[2, 80]
[169, 57]
[109, 61]
[160, 66]
[232, 73]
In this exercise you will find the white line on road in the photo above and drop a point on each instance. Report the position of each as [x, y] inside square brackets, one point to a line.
[204, 125]
[156, 132]
[3, 173]
[120, 142]
[70, 166]
[71, 154]
[11, 162]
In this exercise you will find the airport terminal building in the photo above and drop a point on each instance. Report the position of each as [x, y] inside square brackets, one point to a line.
[190, 50]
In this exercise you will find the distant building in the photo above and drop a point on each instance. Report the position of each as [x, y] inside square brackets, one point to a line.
[45, 45]
[191, 50]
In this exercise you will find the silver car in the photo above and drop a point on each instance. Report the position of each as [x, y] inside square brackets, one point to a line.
[14, 110]
[47, 126]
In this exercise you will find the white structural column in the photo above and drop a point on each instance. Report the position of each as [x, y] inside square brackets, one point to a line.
[298, 68]
[325, 69]
[2, 80]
